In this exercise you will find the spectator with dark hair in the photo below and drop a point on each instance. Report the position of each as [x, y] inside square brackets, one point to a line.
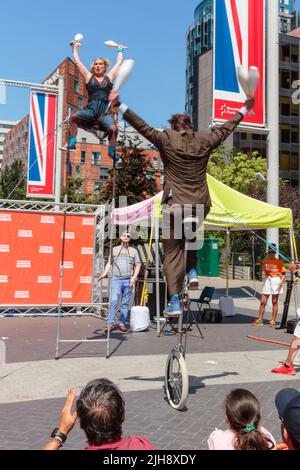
[287, 402]
[100, 409]
[243, 416]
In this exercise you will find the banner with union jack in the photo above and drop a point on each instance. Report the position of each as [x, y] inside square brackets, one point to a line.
[42, 143]
[239, 40]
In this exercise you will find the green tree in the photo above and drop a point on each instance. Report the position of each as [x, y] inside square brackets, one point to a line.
[75, 192]
[135, 177]
[237, 170]
[289, 197]
[13, 181]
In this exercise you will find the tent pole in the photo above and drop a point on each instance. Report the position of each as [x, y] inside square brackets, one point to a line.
[228, 260]
[292, 244]
[156, 228]
[294, 257]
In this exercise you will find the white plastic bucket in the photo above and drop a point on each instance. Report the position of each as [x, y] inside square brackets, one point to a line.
[139, 318]
[227, 306]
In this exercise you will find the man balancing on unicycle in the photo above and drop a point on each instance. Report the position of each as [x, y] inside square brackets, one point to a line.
[185, 155]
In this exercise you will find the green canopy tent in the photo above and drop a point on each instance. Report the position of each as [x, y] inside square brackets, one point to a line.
[231, 210]
[234, 210]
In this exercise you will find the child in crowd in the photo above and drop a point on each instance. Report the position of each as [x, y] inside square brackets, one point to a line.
[243, 416]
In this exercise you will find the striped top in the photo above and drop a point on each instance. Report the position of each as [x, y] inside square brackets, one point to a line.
[124, 261]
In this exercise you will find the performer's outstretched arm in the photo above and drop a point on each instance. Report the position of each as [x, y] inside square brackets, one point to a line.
[218, 135]
[114, 71]
[82, 68]
[156, 137]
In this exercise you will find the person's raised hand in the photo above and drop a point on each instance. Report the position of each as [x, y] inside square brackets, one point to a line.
[249, 103]
[67, 418]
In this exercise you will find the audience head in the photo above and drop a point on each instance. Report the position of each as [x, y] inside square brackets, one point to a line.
[243, 416]
[287, 402]
[101, 411]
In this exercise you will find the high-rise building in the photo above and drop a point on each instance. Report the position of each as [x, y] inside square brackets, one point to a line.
[199, 99]
[286, 9]
[5, 127]
[199, 39]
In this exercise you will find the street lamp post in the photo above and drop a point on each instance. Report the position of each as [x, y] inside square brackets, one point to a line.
[273, 112]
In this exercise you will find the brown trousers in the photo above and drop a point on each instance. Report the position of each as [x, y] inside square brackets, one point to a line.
[174, 238]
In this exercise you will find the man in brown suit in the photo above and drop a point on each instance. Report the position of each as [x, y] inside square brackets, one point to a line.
[185, 155]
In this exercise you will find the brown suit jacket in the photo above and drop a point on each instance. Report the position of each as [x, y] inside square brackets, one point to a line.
[185, 156]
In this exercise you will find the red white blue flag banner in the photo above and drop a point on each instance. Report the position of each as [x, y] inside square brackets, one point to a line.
[239, 40]
[42, 144]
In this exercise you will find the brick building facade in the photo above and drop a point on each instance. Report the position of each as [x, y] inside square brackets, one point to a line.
[90, 160]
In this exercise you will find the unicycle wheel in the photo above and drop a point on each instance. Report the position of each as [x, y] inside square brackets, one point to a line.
[176, 380]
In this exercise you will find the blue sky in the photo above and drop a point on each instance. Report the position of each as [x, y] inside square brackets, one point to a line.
[35, 39]
[36, 36]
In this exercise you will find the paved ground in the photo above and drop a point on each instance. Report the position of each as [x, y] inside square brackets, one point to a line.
[33, 384]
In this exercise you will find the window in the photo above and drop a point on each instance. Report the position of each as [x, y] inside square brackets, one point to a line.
[285, 53]
[76, 85]
[285, 81]
[294, 161]
[80, 102]
[285, 109]
[294, 54]
[82, 156]
[285, 134]
[295, 135]
[78, 170]
[70, 110]
[83, 140]
[154, 162]
[104, 173]
[294, 76]
[96, 158]
[284, 161]
[260, 137]
[294, 110]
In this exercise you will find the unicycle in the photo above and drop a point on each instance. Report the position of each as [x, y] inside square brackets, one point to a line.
[176, 374]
